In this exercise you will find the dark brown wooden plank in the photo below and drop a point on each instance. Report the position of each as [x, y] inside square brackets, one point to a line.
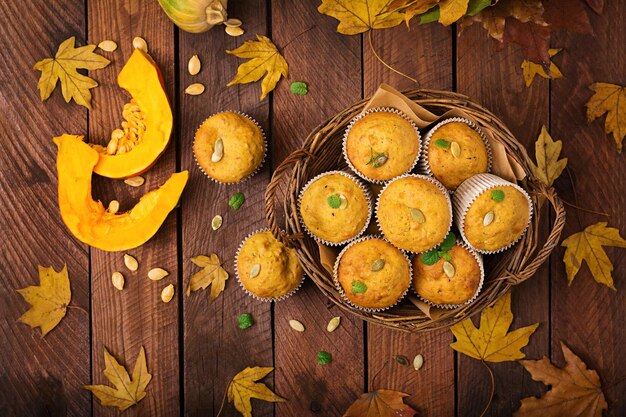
[424, 53]
[215, 348]
[35, 375]
[331, 64]
[494, 79]
[124, 321]
[589, 317]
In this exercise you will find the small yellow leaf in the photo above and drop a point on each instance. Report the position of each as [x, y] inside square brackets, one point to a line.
[452, 10]
[358, 16]
[549, 167]
[211, 273]
[492, 342]
[609, 99]
[588, 246]
[263, 57]
[128, 390]
[244, 387]
[48, 300]
[530, 69]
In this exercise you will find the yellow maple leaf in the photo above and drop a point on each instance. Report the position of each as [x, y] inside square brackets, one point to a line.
[547, 151]
[492, 342]
[452, 10]
[412, 8]
[49, 299]
[588, 246]
[609, 99]
[211, 273]
[63, 67]
[263, 57]
[128, 390]
[530, 69]
[244, 387]
[358, 16]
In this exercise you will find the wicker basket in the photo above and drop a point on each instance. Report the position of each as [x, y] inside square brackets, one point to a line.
[321, 152]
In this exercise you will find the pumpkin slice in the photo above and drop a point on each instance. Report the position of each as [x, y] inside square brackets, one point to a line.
[88, 220]
[147, 124]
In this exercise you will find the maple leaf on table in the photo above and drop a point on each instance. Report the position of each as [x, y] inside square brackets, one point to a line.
[609, 99]
[48, 300]
[263, 58]
[596, 5]
[575, 389]
[211, 273]
[128, 390]
[64, 67]
[588, 246]
[492, 342]
[244, 387]
[547, 152]
[358, 16]
[533, 39]
[380, 403]
[412, 8]
[493, 18]
[530, 69]
[452, 10]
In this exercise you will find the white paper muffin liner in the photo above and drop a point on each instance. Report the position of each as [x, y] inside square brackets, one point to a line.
[479, 260]
[430, 179]
[341, 290]
[266, 299]
[469, 191]
[423, 165]
[368, 197]
[253, 173]
[380, 110]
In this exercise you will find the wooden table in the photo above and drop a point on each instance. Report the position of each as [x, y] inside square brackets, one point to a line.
[194, 347]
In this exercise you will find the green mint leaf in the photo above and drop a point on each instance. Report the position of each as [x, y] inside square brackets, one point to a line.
[448, 242]
[358, 287]
[442, 143]
[324, 358]
[245, 320]
[447, 256]
[334, 201]
[430, 258]
[299, 88]
[237, 201]
[497, 195]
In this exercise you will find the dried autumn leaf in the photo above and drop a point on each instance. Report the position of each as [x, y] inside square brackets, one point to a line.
[380, 403]
[412, 8]
[492, 342]
[569, 15]
[358, 16]
[609, 99]
[211, 273]
[547, 151]
[596, 5]
[533, 39]
[48, 300]
[530, 69]
[63, 67]
[588, 246]
[244, 387]
[128, 390]
[263, 57]
[494, 18]
[452, 10]
[575, 389]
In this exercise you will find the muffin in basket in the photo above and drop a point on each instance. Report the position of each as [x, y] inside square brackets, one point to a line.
[371, 274]
[381, 144]
[335, 207]
[229, 147]
[267, 269]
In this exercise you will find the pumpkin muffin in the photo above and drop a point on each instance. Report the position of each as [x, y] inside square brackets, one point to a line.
[449, 275]
[372, 274]
[266, 268]
[414, 212]
[229, 147]
[455, 150]
[491, 213]
[335, 207]
[381, 144]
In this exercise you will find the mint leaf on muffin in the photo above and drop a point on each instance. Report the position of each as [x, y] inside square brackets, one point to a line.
[358, 287]
[441, 251]
[497, 195]
[442, 143]
[377, 159]
[334, 201]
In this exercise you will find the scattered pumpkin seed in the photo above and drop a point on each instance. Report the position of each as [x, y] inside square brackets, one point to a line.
[130, 262]
[218, 151]
[107, 46]
[194, 89]
[296, 325]
[344, 202]
[402, 360]
[140, 43]
[418, 362]
[254, 271]
[114, 206]
[216, 223]
[194, 65]
[135, 181]
[167, 293]
[377, 265]
[455, 149]
[233, 22]
[488, 219]
[234, 31]
[417, 215]
[118, 280]
[333, 324]
[448, 269]
[156, 274]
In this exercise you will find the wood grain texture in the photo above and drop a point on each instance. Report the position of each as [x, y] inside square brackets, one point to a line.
[124, 321]
[424, 53]
[495, 80]
[331, 65]
[588, 316]
[35, 376]
[215, 348]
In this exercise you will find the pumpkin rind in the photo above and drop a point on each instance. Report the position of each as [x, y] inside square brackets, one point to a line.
[89, 221]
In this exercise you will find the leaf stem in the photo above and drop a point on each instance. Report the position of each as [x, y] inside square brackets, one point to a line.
[599, 213]
[493, 386]
[614, 383]
[223, 401]
[77, 308]
[384, 63]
